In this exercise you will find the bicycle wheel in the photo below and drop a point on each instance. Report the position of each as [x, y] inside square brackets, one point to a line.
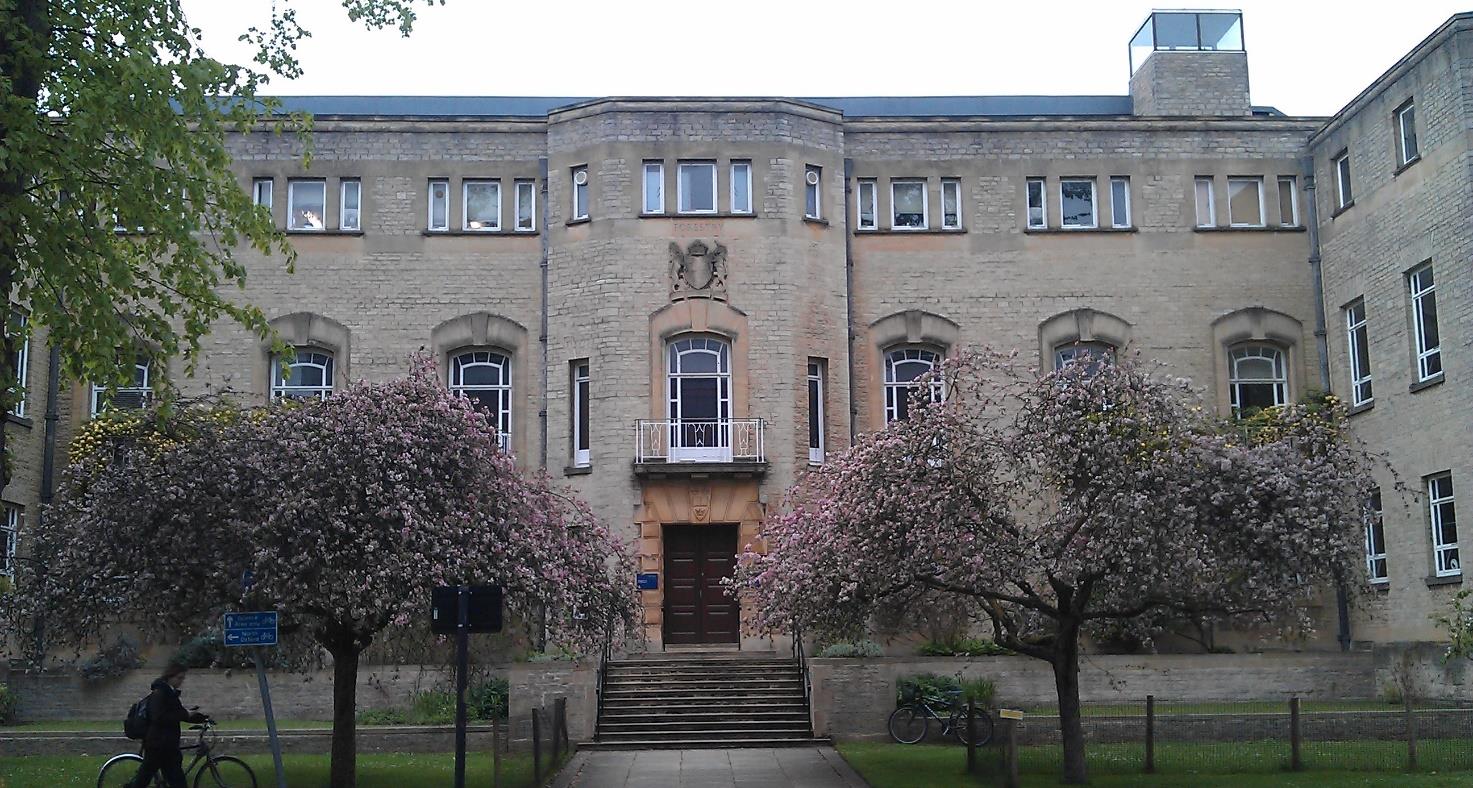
[981, 727]
[907, 726]
[119, 771]
[225, 772]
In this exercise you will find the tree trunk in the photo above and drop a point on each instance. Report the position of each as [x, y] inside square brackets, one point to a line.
[344, 769]
[1066, 682]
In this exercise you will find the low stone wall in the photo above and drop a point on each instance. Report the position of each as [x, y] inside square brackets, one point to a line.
[437, 738]
[539, 685]
[852, 698]
[1431, 676]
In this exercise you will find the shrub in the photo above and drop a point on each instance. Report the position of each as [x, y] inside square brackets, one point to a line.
[113, 660]
[965, 647]
[488, 699]
[8, 704]
[382, 717]
[862, 648]
[980, 691]
[483, 701]
[925, 685]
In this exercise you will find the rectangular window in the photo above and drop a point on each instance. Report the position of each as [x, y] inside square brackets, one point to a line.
[1343, 195]
[1406, 134]
[480, 206]
[741, 187]
[19, 360]
[1288, 201]
[526, 207]
[580, 193]
[696, 187]
[261, 192]
[9, 538]
[1037, 205]
[654, 187]
[908, 204]
[868, 207]
[580, 414]
[951, 204]
[815, 411]
[439, 218]
[1077, 203]
[812, 205]
[1444, 517]
[350, 206]
[1206, 207]
[1120, 202]
[1424, 323]
[305, 204]
[1375, 539]
[1245, 202]
[1358, 346]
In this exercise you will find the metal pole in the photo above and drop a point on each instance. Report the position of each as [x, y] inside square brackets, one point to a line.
[1150, 733]
[971, 736]
[1296, 759]
[462, 658]
[270, 718]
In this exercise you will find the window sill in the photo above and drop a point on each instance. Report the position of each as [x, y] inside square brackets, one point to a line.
[1445, 580]
[926, 231]
[1426, 384]
[571, 222]
[1342, 209]
[1077, 230]
[577, 470]
[688, 216]
[1407, 165]
[816, 220]
[20, 421]
[472, 233]
[1381, 586]
[1361, 408]
[325, 232]
[1268, 228]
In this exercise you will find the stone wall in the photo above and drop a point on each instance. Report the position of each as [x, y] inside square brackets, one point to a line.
[1191, 83]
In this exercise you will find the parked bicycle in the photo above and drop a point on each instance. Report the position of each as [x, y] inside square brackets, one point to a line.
[910, 723]
[214, 771]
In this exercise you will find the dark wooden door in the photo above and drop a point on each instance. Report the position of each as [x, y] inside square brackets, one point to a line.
[697, 609]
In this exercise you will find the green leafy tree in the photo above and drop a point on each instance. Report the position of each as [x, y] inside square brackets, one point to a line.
[112, 116]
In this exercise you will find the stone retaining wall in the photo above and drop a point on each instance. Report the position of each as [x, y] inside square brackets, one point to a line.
[436, 738]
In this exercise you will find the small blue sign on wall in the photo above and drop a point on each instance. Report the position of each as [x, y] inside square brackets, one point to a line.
[648, 581]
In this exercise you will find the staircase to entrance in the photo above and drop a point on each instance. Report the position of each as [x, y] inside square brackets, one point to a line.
[693, 700]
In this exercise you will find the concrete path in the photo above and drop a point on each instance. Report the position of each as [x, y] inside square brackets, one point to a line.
[792, 767]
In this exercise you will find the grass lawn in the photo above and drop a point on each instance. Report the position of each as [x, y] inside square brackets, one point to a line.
[1181, 766]
[401, 770]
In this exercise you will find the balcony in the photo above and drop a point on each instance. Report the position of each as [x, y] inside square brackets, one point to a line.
[699, 447]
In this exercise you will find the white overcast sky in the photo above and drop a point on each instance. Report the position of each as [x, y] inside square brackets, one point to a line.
[1306, 57]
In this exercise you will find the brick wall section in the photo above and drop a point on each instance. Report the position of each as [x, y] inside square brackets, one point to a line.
[1191, 83]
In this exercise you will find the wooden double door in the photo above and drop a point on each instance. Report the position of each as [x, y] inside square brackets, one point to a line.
[697, 607]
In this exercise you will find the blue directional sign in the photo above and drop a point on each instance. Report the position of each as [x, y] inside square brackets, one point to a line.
[250, 629]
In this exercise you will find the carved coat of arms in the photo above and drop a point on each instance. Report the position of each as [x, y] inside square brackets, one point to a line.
[697, 270]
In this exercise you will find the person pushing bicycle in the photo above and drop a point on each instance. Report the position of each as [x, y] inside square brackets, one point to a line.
[161, 754]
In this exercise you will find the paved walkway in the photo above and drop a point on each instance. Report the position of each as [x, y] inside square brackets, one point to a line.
[782, 767]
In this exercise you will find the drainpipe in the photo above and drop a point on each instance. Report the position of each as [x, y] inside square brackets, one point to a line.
[1321, 341]
[849, 297]
[48, 483]
[542, 414]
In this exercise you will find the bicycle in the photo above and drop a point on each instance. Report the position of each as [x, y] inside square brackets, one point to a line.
[215, 771]
[910, 723]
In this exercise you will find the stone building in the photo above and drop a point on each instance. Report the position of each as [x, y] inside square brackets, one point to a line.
[680, 304]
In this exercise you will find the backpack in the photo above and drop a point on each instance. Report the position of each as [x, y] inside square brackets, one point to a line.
[135, 725]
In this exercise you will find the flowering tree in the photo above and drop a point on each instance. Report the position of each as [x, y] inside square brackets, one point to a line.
[1059, 504]
[347, 511]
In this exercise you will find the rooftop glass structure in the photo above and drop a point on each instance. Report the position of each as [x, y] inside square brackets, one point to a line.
[1187, 31]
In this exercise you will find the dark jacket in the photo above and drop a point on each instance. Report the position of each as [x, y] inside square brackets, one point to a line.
[165, 714]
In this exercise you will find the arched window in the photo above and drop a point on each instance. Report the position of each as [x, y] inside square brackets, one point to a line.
[131, 397]
[1257, 378]
[1092, 354]
[903, 366]
[699, 400]
[308, 377]
[484, 376]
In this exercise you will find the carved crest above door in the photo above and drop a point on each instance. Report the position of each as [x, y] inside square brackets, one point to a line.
[697, 271]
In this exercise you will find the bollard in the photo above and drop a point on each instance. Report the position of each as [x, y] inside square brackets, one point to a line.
[1010, 753]
[560, 728]
[1150, 734]
[1296, 761]
[536, 747]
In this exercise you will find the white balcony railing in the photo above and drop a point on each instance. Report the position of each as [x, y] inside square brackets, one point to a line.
[714, 440]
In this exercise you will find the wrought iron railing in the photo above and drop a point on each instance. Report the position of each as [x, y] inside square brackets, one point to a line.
[699, 440]
[603, 672]
[801, 657]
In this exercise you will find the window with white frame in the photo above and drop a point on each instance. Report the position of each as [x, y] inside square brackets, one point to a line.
[526, 207]
[908, 204]
[1037, 204]
[1077, 203]
[580, 414]
[816, 410]
[1444, 517]
[484, 377]
[1257, 378]
[1424, 322]
[20, 360]
[580, 193]
[1357, 343]
[1206, 205]
[868, 206]
[696, 187]
[812, 204]
[1343, 194]
[1375, 539]
[654, 187]
[350, 204]
[306, 204]
[480, 206]
[951, 204]
[698, 379]
[1120, 202]
[741, 187]
[1245, 202]
[130, 397]
[261, 192]
[1093, 355]
[439, 203]
[308, 376]
[903, 368]
[10, 538]
[1288, 201]
[1406, 134]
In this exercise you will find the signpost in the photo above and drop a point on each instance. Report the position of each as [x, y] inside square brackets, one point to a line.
[257, 630]
[463, 610]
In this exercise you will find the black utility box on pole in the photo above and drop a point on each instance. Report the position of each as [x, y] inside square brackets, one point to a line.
[462, 610]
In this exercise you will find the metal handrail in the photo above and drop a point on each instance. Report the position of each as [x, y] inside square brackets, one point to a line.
[603, 672]
[801, 657]
[699, 440]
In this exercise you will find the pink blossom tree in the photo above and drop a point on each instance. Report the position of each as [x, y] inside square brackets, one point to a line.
[1065, 503]
[347, 512]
